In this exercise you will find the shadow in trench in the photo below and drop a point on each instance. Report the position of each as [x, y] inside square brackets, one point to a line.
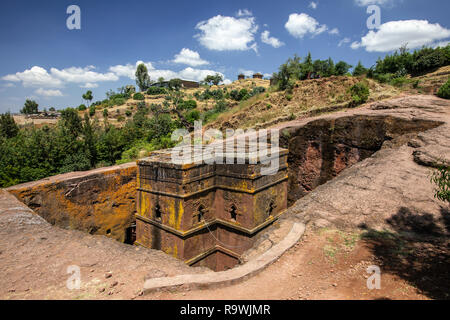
[417, 250]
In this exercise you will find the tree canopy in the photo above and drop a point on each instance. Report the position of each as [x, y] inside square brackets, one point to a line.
[142, 78]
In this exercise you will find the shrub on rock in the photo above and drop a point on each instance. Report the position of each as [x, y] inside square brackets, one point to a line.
[444, 91]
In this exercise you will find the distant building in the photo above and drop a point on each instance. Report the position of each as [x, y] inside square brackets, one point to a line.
[241, 77]
[185, 84]
[258, 76]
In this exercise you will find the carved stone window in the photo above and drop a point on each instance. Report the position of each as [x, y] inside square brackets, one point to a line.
[158, 213]
[233, 213]
[201, 214]
[271, 208]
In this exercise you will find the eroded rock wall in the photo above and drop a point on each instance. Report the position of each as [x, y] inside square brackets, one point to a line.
[100, 201]
[320, 150]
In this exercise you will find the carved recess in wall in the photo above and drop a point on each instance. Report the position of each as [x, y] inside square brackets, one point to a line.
[270, 204]
[231, 202]
[199, 209]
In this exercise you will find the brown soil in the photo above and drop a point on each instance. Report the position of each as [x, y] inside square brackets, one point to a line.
[331, 264]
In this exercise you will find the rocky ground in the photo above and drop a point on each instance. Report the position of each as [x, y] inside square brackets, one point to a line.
[35, 256]
[380, 211]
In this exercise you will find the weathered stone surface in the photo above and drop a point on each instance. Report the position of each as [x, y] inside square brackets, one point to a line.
[413, 133]
[100, 201]
[321, 149]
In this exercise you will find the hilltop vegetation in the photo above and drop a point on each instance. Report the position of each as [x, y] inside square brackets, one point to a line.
[128, 125]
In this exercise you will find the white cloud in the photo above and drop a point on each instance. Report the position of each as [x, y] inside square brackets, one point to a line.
[391, 35]
[441, 44]
[267, 39]
[34, 77]
[313, 5]
[189, 73]
[82, 75]
[129, 70]
[189, 57]
[355, 45]
[89, 85]
[223, 33]
[343, 41]
[48, 93]
[196, 74]
[247, 73]
[40, 77]
[244, 13]
[299, 25]
[334, 31]
[365, 3]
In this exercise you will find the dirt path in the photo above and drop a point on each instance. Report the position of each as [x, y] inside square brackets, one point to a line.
[326, 264]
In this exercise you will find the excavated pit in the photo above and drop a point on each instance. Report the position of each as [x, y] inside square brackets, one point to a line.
[318, 152]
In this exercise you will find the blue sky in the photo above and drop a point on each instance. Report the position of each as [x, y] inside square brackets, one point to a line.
[40, 58]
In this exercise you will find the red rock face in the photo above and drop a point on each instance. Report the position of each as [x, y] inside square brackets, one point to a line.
[99, 202]
[320, 150]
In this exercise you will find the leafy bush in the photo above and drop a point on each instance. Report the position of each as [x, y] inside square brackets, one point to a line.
[211, 115]
[398, 82]
[128, 113]
[138, 96]
[8, 127]
[81, 107]
[187, 105]
[360, 94]
[192, 116]
[441, 178]
[258, 90]
[154, 91]
[221, 106]
[444, 91]
[92, 110]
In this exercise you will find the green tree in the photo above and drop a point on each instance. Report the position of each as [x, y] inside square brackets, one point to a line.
[89, 140]
[88, 96]
[71, 122]
[213, 79]
[359, 70]
[342, 68]
[175, 84]
[92, 111]
[307, 67]
[30, 107]
[142, 78]
[8, 127]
